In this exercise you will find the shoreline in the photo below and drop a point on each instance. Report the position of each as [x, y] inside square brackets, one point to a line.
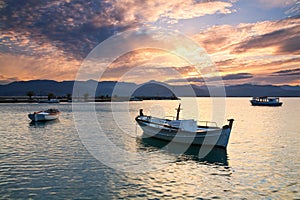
[63, 100]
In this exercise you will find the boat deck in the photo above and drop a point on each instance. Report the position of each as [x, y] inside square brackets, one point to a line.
[167, 124]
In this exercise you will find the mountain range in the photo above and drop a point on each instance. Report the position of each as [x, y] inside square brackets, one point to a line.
[149, 89]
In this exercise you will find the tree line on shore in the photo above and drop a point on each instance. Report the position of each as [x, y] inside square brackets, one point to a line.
[31, 96]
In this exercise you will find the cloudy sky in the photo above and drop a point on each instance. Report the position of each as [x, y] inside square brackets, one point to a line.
[255, 41]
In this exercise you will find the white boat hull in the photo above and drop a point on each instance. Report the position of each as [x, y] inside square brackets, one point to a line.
[265, 101]
[258, 103]
[218, 137]
[43, 117]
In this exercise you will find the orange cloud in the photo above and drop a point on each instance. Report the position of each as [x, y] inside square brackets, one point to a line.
[132, 12]
[41, 40]
[5, 79]
[31, 67]
[28, 58]
[258, 48]
[157, 64]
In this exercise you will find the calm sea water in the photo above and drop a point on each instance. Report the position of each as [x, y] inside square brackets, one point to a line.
[49, 160]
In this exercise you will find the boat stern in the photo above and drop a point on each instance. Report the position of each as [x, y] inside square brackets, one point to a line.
[36, 117]
[225, 135]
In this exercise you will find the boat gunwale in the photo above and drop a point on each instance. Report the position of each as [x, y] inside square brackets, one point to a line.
[192, 144]
[203, 129]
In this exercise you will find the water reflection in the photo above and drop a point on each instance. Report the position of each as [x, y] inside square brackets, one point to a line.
[42, 124]
[216, 156]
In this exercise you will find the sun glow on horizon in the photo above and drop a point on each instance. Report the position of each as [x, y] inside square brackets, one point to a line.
[254, 48]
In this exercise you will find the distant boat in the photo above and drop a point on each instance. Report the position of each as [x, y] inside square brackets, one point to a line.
[49, 101]
[135, 99]
[185, 131]
[265, 101]
[47, 115]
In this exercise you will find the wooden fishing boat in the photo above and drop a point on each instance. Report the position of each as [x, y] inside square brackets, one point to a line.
[47, 115]
[185, 131]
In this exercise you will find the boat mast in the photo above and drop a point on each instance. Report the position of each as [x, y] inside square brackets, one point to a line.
[178, 111]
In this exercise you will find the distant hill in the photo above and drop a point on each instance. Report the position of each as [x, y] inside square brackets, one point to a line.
[149, 89]
[263, 90]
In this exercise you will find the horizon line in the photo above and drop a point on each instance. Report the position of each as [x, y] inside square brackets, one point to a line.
[225, 85]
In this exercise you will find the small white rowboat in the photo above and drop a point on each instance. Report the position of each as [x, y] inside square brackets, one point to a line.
[47, 115]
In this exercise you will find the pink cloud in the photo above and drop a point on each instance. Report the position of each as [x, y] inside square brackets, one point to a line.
[134, 12]
[6, 80]
[258, 48]
[30, 67]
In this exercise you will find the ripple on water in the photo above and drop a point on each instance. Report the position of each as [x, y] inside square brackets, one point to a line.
[42, 161]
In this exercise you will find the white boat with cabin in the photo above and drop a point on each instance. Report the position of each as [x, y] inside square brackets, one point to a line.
[185, 131]
[265, 101]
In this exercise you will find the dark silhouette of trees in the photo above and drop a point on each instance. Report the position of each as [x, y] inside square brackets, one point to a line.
[30, 94]
[86, 96]
[51, 96]
[69, 96]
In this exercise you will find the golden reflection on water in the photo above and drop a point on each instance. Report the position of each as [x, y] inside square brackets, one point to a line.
[48, 160]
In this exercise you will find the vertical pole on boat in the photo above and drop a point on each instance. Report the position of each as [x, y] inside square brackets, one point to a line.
[178, 111]
[141, 112]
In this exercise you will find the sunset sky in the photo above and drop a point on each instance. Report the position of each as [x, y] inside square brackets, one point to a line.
[250, 41]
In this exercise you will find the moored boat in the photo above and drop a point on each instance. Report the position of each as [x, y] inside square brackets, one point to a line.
[265, 101]
[49, 101]
[47, 115]
[185, 131]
